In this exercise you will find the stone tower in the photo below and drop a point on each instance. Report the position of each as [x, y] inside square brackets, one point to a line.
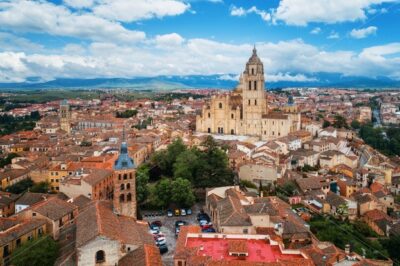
[65, 116]
[124, 200]
[254, 96]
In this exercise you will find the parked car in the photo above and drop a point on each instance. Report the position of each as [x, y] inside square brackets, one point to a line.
[203, 216]
[203, 222]
[206, 226]
[183, 212]
[208, 230]
[163, 248]
[161, 241]
[170, 213]
[157, 223]
[180, 223]
[188, 211]
[177, 212]
[154, 231]
[154, 227]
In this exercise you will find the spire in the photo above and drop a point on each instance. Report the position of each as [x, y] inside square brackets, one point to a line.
[124, 161]
[254, 50]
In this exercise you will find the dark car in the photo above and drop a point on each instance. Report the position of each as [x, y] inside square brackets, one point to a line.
[156, 223]
[180, 223]
[170, 213]
[188, 211]
[163, 248]
[203, 216]
[208, 230]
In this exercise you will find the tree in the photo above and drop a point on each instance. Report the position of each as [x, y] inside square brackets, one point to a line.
[249, 184]
[127, 113]
[20, 187]
[42, 251]
[182, 193]
[326, 124]
[355, 124]
[41, 187]
[163, 193]
[392, 245]
[142, 178]
[340, 122]
[7, 160]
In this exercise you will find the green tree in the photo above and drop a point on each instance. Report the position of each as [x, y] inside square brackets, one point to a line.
[20, 187]
[142, 178]
[340, 122]
[41, 187]
[249, 184]
[127, 113]
[163, 193]
[182, 193]
[188, 165]
[42, 251]
[392, 245]
[326, 124]
[355, 124]
[165, 159]
[7, 160]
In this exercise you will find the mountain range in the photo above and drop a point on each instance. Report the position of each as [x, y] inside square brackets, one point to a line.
[226, 81]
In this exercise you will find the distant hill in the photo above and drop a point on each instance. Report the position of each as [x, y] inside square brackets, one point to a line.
[228, 81]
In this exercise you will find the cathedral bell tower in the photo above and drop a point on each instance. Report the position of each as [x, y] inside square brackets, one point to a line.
[254, 96]
[124, 200]
[65, 116]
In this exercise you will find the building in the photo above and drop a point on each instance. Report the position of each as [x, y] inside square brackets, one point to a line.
[196, 248]
[124, 183]
[65, 116]
[14, 233]
[103, 237]
[245, 110]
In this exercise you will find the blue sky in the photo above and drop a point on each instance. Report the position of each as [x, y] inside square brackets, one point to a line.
[296, 39]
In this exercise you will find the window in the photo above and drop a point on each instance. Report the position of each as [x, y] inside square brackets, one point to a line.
[122, 187]
[273, 132]
[100, 256]
[129, 197]
[33, 213]
[209, 130]
[245, 231]
[232, 132]
[220, 105]
[128, 186]
[255, 102]
[60, 222]
[209, 115]
[18, 242]
[252, 71]
[125, 176]
[121, 198]
[130, 176]
[30, 237]
[249, 85]
[249, 102]
[40, 231]
[255, 85]
[119, 176]
[232, 116]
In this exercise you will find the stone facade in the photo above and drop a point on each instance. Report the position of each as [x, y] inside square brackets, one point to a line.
[65, 117]
[245, 110]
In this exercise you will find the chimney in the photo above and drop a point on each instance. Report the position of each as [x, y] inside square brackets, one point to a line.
[347, 249]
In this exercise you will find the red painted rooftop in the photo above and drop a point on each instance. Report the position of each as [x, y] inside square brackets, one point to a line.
[259, 250]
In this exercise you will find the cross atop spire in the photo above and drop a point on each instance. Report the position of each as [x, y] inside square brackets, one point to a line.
[254, 50]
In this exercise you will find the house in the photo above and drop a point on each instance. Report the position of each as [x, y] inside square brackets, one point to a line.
[347, 186]
[28, 199]
[331, 158]
[313, 183]
[9, 177]
[367, 202]
[15, 232]
[146, 255]
[105, 238]
[7, 203]
[58, 214]
[379, 221]
[258, 173]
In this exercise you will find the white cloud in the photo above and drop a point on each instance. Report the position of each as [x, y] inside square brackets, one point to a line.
[44, 17]
[171, 40]
[302, 12]
[79, 3]
[316, 30]
[240, 12]
[288, 77]
[229, 77]
[364, 32]
[333, 35]
[287, 60]
[128, 11]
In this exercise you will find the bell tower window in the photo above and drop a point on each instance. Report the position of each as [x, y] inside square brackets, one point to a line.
[255, 85]
[252, 71]
[249, 85]
[220, 105]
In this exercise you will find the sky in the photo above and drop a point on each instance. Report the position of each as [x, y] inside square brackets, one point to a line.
[296, 39]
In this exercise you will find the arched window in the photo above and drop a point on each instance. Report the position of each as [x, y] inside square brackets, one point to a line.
[122, 186]
[125, 176]
[232, 116]
[121, 198]
[252, 71]
[249, 85]
[255, 102]
[119, 176]
[220, 105]
[255, 85]
[130, 176]
[209, 115]
[128, 186]
[129, 197]
[249, 102]
[100, 256]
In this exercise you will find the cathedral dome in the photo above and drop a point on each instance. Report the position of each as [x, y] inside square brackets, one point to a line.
[254, 64]
[254, 59]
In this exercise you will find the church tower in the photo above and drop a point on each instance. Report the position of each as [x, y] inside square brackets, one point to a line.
[65, 116]
[254, 96]
[124, 200]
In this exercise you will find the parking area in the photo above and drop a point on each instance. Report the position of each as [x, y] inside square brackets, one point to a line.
[168, 228]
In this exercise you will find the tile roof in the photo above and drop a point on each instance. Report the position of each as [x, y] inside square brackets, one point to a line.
[30, 198]
[19, 229]
[146, 255]
[54, 208]
[98, 219]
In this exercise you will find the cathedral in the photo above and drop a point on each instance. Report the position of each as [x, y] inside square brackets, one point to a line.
[245, 111]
